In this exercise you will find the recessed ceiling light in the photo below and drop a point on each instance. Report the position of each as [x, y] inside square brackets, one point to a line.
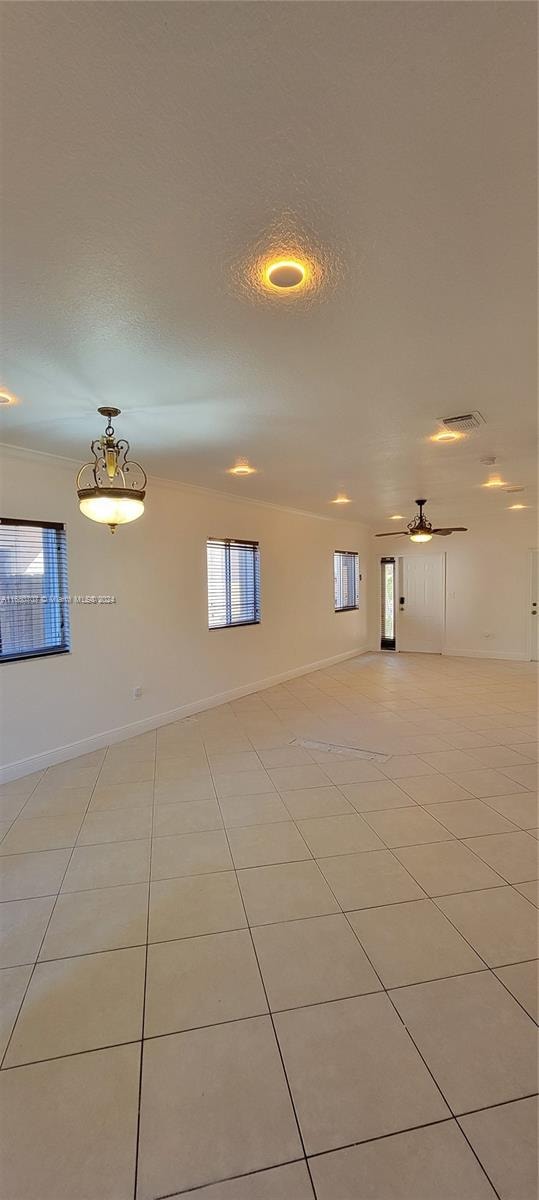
[242, 467]
[447, 435]
[7, 398]
[397, 517]
[286, 274]
[287, 265]
[494, 482]
[341, 499]
[514, 506]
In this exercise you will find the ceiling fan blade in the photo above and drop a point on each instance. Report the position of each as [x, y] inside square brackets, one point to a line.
[397, 533]
[446, 532]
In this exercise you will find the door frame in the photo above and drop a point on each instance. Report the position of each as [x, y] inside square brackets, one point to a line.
[530, 635]
[384, 559]
[439, 554]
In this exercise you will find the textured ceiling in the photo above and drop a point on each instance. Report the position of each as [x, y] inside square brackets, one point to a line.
[150, 148]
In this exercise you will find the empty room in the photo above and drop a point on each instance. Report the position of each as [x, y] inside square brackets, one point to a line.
[269, 575]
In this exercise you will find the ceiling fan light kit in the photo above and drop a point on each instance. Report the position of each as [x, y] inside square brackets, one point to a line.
[111, 489]
[421, 535]
[421, 530]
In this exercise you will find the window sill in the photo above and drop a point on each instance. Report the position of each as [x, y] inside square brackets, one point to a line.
[232, 625]
[31, 654]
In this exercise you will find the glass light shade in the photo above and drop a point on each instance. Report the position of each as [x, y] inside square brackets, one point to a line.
[111, 461]
[111, 506]
[421, 537]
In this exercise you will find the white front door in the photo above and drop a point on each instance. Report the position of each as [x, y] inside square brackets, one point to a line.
[420, 620]
[534, 599]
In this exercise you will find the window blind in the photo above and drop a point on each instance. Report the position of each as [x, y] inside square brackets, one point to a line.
[233, 583]
[34, 618]
[346, 578]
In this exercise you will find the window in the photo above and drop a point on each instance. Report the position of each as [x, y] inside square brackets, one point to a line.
[33, 584]
[233, 583]
[387, 635]
[346, 575]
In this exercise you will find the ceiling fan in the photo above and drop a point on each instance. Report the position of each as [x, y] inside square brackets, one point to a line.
[420, 530]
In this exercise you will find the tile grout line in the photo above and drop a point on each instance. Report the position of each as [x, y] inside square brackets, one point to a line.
[491, 970]
[255, 824]
[23, 806]
[289, 921]
[412, 1039]
[155, 1037]
[399, 1018]
[270, 1014]
[435, 1081]
[434, 900]
[317, 716]
[144, 986]
[232, 1179]
[40, 947]
[395, 1009]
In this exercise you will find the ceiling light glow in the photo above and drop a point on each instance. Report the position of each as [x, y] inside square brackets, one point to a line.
[447, 435]
[513, 507]
[341, 499]
[287, 274]
[421, 536]
[397, 517]
[287, 265]
[494, 482]
[7, 398]
[242, 467]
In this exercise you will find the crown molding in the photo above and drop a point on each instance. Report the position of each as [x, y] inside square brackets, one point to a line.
[56, 460]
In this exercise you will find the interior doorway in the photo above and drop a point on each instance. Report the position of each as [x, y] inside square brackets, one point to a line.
[420, 622]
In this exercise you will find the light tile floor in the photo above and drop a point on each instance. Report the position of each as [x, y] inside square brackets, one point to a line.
[237, 967]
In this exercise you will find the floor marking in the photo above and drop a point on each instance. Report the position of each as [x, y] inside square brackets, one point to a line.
[334, 748]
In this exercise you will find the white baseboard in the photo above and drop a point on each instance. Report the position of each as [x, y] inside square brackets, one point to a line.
[501, 654]
[49, 758]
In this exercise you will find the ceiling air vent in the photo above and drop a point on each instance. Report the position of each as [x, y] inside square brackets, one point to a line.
[463, 424]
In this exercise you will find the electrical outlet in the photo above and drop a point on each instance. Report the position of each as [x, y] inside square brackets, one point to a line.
[137, 692]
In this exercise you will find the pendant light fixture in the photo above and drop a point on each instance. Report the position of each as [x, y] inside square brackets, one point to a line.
[111, 489]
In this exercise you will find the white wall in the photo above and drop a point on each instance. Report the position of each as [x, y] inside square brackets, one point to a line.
[156, 635]
[487, 583]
